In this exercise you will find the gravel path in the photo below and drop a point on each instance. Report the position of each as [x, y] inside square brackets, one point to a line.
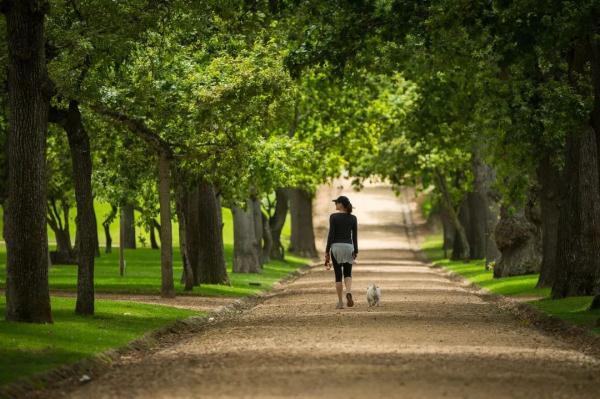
[430, 338]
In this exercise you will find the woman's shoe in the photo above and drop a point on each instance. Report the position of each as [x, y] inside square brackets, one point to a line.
[340, 305]
[349, 299]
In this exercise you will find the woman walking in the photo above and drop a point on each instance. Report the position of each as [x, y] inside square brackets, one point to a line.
[342, 247]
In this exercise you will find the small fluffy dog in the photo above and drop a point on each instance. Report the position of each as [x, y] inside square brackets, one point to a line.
[373, 295]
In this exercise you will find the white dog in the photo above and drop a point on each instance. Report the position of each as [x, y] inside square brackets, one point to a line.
[373, 295]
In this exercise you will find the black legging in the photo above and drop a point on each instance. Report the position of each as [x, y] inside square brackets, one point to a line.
[340, 269]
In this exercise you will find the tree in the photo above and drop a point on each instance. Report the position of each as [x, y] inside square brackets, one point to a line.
[27, 295]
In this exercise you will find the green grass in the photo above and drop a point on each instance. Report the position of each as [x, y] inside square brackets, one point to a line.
[26, 349]
[573, 310]
[142, 274]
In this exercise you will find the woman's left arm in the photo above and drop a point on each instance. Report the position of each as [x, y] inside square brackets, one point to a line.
[355, 236]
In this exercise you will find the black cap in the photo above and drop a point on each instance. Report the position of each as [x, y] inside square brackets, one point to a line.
[342, 199]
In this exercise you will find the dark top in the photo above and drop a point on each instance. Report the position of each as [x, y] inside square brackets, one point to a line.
[342, 228]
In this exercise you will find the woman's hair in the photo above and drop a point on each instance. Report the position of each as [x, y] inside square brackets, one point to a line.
[348, 208]
[345, 203]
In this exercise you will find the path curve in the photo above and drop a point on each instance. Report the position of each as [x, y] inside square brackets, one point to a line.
[430, 338]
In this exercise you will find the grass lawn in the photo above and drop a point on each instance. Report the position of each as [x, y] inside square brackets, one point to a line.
[142, 274]
[27, 349]
[574, 309]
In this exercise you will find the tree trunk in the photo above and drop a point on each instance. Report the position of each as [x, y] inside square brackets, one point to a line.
[97, 246]
[192, 232]
[121, 252]
[212, 250]
[549, 180]
[245, 246]
[106, 224]
[267, 239]
[460, 239]
[448, 232]
[518, 241]
[464, 218]
[277, 221]
[166, 236]
[302, 240]
[492, 253]
[474, 210]
[187, 275]
[258, 227]
[128, 226]
[152, 227]
[81, 159]
[27, 294]
[578, 247]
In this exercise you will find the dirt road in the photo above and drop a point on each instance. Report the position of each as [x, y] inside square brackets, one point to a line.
[430, 338]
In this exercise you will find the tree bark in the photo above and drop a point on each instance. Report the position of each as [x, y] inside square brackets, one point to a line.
[464, 217]
[448, 232]
[277, 221]
[166, 236]
[578, 246]
[478, 210]
[302, 240]
[81, 159]
[258, 227]
[128, 226]
[192, 232]
[460, 234]
[106, 224]
[27, 293]
[152, 228]
[245, 246]
[187, 275]
[549, 180]
[121, 252]
[212, 250]
[518, 241]
[267, 239]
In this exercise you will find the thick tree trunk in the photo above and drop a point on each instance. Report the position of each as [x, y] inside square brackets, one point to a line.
[152, 228]
[277, 221]
[187, 275]
[81, 159]
[302, 240]
[477, 224]
[549, 180]
[128, 225]
[461, 243]
[245, 246]
[64, 253]
[578, 247]
[267, 239]
[492, 253]
[212, 249]
[518, 241]
[448, 233]
[258, 227]
[166, 236]
[106, 224]
[27, 294]
[464, 218]
[192, 232]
